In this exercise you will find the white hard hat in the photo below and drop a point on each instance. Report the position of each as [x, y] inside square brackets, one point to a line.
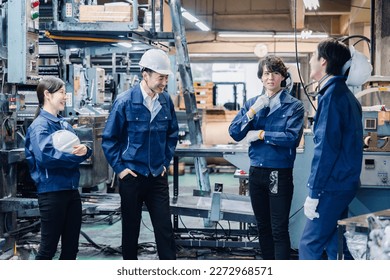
[359, 68]
[64, 140]
[156, 60]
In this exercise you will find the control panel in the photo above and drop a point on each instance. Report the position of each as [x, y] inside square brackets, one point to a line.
[375, 170]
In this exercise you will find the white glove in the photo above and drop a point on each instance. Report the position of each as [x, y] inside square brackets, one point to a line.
[253, 135]
[310, 207]
[261, 102]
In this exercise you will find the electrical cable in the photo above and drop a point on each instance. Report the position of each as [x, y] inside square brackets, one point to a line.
[106, 249]
[142, 220]
[361, 37]
[101, 219]
[21, 230]
[189, 232]
[296, 56]
[82, 38]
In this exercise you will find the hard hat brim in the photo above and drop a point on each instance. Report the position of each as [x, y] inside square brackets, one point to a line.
[164, 72]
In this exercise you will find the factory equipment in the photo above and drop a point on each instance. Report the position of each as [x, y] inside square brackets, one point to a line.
[19, 73]
[84, 68]
[85, 91]
[88, 46]
[375, 98]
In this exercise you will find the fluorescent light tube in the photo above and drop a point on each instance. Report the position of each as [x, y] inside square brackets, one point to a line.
[202, 26]
[125, 44]
[194, 20]
[245, 34]
[190, 17]
[311, 4]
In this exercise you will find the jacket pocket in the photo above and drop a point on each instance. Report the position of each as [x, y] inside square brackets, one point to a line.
[162, 120]
[138, 120]
[279, 120]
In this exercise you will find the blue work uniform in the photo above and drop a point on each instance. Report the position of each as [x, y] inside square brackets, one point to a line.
[270, 175]
[143, 140]
[51, 169]
[56, 175]
[132, 139]
[283, 126]
[336, 166]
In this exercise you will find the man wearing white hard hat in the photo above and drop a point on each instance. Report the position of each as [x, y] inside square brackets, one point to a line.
[338, 149]
[139, 141]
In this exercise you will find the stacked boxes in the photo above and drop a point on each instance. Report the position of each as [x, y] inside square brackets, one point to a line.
[107, 12]
[203, 94]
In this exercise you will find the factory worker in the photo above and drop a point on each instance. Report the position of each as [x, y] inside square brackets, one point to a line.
[272, 124]
[139, 141]
[54, 153]
[338, 150]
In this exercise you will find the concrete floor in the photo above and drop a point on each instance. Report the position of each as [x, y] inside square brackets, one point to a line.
[101, 234]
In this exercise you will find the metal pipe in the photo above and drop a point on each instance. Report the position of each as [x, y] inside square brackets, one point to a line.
[55, 10]
[372, 31]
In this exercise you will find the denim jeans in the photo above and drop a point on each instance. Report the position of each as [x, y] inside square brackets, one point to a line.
[271, 192]
[154, 192]
[60, 218]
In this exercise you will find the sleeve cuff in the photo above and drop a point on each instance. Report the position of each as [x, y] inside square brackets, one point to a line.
[315, 193]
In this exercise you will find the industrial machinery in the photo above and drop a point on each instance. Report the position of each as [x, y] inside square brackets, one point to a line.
[374, 194]
[68, 41]
[93, 50]
[22, 65]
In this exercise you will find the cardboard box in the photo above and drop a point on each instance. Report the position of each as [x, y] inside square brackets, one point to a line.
[106, 12]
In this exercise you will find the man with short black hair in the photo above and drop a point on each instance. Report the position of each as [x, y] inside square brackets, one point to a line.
[338, 151]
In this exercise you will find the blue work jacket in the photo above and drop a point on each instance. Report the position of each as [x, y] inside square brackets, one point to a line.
[132, 139]
[283, 126]
[51, 169]
[338, 139]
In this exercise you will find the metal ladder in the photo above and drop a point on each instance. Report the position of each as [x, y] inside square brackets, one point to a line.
[193, 118]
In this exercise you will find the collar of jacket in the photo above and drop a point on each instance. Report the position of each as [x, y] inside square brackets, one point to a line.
[332, 80]
[285, 97]
[138, 98]
[49, 116]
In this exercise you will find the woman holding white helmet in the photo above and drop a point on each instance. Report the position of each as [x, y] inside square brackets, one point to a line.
[139, 141]
[54, 153]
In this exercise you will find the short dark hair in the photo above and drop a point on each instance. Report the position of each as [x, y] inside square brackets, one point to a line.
[147, 70]
[274, 64]
[336, 54]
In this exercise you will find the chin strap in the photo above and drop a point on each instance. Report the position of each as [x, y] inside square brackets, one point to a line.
[346, 66]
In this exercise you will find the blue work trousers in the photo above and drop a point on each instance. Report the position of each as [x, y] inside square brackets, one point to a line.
[154, 192]
[60, 218]
[271, 192]
[320, 234]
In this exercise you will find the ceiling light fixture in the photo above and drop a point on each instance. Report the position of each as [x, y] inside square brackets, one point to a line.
[228, 34]
[305, 34]
[311, 4]
[125, 45]
[194, 20]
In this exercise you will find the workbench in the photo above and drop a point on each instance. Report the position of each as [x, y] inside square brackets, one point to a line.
[215, 205]
[358, 223]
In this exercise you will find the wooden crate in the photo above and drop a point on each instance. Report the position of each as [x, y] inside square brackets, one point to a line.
[96, 13]
[203, 91]
[203, 84]
[203, 101]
